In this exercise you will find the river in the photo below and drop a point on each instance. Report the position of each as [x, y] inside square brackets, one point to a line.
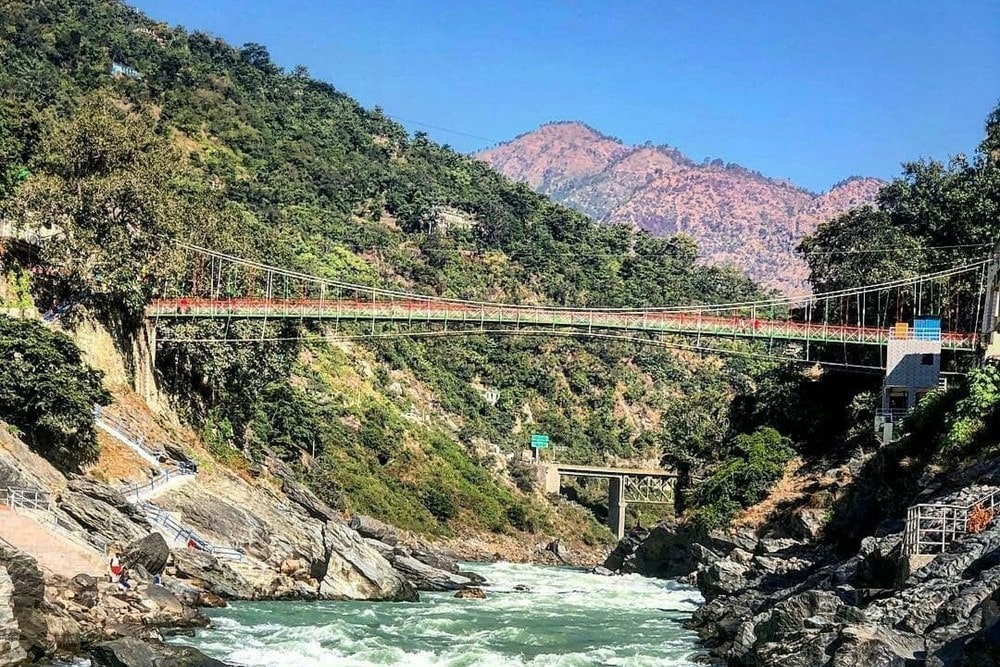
[568, 618]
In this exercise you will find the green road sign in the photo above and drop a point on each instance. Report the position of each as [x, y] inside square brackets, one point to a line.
[539, 440]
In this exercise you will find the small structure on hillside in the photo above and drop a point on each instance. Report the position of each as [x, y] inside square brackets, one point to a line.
[119, 70]
[913, 368]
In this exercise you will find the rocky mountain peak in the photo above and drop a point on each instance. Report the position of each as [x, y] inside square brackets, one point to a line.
[737, 216]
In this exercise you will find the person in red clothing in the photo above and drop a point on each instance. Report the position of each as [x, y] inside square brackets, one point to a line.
[114, 568]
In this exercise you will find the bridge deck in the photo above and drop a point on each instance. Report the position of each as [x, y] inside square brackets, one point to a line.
[605, 471]
[416, 312]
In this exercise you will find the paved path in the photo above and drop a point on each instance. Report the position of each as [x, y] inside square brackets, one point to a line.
[54, 552]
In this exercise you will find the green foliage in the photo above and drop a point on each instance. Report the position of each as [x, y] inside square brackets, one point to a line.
[961, 424]
[48, 393]
[19, 284]
[754, 463]
[109, 183]
[933, 216]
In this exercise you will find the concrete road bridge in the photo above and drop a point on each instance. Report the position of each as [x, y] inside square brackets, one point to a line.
[626, 486]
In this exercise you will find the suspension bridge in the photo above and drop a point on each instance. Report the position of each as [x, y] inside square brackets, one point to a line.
[222, 287]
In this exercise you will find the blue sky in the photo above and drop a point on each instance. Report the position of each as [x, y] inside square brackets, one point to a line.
[797, 89]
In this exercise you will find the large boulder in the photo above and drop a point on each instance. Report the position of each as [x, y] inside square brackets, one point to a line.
[722, 577]
[373, 528]
[356, 571]
[426, 578]
[209, 573]
[150, 553]
[23, 627]
[130, 652]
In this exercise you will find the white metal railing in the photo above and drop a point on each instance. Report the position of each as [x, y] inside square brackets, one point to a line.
[892, 414]
[189, 536]
[931, 527]
[119, 428]
[27, 498]
[137, 490]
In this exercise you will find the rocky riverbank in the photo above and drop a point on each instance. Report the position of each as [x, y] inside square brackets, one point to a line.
[802, 603]
[284, 543]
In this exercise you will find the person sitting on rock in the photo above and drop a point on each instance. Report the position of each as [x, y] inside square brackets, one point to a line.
[123, 582]
[115, 568]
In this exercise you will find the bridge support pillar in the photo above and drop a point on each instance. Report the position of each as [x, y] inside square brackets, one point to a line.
[549, 478]
[616, 506]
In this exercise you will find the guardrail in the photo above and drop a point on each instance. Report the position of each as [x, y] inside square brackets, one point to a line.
[931, 528]
[136, 490]
[27, 498]
[155, 515]
[892, 414]
[136, 440]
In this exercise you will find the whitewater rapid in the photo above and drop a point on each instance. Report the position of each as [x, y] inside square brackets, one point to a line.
[568, 618]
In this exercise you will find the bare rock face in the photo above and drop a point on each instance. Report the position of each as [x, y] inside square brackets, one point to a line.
[357, 571]
[23, 630]
[101, 517]
[129, 652]
[426, 578]
[213, 575]
[373, 528]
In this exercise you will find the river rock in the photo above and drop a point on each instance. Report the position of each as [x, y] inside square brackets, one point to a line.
[356, 571]
[426, 578]
[207, 572]
[442, 559]
[602, 571]
[23, 627]
[129, 652]
[373, 528]
[471, 594]
[559, 549]
[150, 553]
[664, 552]
[721, 577]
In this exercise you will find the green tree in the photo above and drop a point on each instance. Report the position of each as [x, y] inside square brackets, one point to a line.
[49, 393]
[110, 183]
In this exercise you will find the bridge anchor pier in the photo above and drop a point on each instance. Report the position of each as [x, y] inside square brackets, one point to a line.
[616, 506]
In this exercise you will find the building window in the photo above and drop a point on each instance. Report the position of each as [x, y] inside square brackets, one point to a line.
[927, 359]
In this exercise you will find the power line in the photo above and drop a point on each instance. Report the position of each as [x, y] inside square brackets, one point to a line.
[441, 129]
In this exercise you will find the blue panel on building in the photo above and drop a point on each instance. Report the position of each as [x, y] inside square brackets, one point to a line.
[927, 327]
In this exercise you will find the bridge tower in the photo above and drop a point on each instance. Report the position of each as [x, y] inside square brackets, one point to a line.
[991, 308]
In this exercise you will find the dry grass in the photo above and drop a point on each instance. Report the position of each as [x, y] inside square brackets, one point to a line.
[793, 489]
[117, 461]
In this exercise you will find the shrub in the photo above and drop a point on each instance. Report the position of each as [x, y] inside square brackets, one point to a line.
[48, 393]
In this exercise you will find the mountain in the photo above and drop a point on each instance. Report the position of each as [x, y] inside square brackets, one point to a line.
[737, 216]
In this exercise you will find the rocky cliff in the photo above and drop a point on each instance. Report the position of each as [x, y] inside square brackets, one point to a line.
[798, 603]
[737, 216]
[292, 545]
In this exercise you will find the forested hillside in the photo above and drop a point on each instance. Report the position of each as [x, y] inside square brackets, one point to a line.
[217, 145]
[127, 134]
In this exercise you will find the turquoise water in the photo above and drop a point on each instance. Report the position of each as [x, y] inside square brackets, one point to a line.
[568, 619]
